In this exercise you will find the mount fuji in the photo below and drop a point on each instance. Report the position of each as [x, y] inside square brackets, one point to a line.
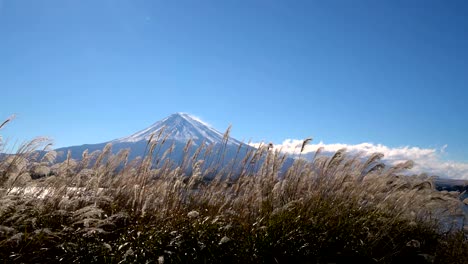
[180, 127]
[173, 131]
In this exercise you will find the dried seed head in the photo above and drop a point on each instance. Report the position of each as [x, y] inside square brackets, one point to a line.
[304, 143]
[224, 240]
[161, 260]
[6, 121]
[193, 214]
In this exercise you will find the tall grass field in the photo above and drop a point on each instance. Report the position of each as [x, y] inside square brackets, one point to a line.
[105, 208]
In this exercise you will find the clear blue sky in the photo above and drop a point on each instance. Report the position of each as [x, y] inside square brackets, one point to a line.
[87, 71]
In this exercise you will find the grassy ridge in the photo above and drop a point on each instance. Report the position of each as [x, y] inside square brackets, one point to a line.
[107, 209]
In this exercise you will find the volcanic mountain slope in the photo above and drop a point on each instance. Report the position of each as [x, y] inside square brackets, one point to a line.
[173, 131]
[180, 127]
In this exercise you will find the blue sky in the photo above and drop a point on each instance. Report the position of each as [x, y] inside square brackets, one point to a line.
[385, 72]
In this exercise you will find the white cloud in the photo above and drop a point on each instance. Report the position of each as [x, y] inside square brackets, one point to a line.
[426, 160]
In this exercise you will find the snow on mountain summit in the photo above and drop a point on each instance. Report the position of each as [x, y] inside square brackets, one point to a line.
[180, 127]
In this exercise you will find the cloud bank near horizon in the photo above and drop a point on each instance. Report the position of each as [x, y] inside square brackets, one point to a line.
[426, 160]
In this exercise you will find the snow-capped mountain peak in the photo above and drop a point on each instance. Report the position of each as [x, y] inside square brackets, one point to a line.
[180, 127]
[177, 129]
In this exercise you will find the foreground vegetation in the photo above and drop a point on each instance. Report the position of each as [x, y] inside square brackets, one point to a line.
[106, 209]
